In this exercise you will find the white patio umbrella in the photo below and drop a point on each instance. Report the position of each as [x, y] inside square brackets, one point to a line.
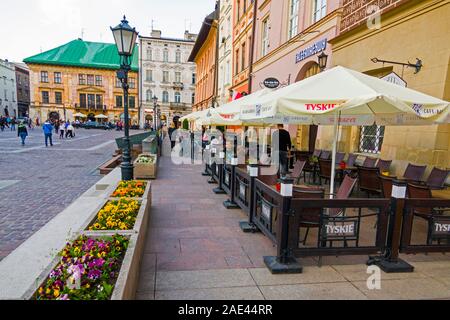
[79, 115]
[341, 96]
[101, 116]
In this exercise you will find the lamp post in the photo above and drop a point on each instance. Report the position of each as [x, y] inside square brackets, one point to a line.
[125, 38]
[155, 113]
[323, 60]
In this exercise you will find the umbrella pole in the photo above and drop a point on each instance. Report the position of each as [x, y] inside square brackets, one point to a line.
[337, 118]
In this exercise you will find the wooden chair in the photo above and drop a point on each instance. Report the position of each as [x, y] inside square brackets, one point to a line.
[325, 155]
[351, 160]
[369, 181]
[414, 173]
[317, 153]
[310, 217]
[437, 178]
[344, 192]
[297, 172]
[386, 186]
[384, 165]
[340, 156]
[324, 170]
[369, 162]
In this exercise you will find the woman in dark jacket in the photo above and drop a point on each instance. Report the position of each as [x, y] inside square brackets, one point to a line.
[22, 132]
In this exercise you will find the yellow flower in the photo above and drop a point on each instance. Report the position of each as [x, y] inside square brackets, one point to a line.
[48, 291]
[56, 293]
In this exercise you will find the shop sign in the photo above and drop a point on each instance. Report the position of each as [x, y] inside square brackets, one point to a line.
[339, 230]
[312, 50]
[266, 211]
[440, 227]
[271, 83]
[227, 179]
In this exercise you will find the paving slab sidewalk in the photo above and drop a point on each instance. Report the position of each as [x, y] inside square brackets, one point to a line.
[195, 250]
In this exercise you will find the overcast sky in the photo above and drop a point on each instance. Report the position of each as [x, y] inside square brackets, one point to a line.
[33, 26]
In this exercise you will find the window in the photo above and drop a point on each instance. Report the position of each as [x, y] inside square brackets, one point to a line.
[165, 97]
[99, 101]
[119, 102]
[265, 37]
[193, 98]
[166, 55]
[177, 97]
[83, 103]
[132, 83]
[320, 9]
[132, 102]
[165, 76]
[82, 79]
[58, 97]
[178, 77]
[90, 79]
[149, 75]
[149, 54]
[118, 83]
[371, 139]
[236, 67]
[194, 78]
[98, 81]
[228, 72]
[243, 57]
[149, 95]
[91, 100]
[58, 78]
[44, 77]
[238, 10]
[45, 97]
[293, 18]
[178, 56]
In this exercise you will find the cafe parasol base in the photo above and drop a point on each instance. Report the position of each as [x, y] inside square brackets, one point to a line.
[399, 266]
[276, 267]
[230, 205]
[219, 190]
[248, 227]
[206, 174]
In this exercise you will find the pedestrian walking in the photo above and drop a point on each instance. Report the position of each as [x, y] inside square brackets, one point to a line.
[13, 124]
[62, 131]
[70, 131]
[57, 125]
[22, 132]
[48, 132]
[2, 123]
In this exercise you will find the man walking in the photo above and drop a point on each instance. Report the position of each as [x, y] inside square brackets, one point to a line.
[284, 139]
[22, 132]
[48, 132]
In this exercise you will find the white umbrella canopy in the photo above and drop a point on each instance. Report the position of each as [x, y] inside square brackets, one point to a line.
[80, 115]
[101, 116]
[359, 99]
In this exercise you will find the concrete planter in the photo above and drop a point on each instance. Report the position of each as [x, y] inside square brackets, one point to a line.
[146, 196]
[146, 170]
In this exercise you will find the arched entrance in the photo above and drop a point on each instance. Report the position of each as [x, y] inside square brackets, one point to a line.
[53, 116]
[307, 135]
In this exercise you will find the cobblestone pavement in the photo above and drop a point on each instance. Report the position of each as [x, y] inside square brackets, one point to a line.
[37, 183]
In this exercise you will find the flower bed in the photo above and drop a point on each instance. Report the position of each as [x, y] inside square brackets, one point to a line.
[145, 166]
[88, 270]
[117, 215]
[130, 189]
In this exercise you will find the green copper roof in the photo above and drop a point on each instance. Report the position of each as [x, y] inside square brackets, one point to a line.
[79, 53]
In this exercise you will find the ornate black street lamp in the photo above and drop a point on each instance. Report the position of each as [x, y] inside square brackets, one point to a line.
[323, 60]
[155, 113]
[125, 38]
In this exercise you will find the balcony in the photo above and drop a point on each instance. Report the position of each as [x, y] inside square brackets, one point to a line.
[178, 85]
[175, 106]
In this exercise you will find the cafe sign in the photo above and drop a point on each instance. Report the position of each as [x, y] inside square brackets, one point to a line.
[316, 48]
[339, 230]
[440, 227]
[271, 83]
[242, 191]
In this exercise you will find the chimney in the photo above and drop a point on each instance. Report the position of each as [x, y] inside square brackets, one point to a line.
[156, 34]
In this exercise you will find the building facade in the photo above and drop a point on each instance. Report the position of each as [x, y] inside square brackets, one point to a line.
[407, 30]
[289, 37]
[80, 77]
[225, 51]
[167, 75]
[8, 89]
[243, 18]
[23, 89]
[204, 54]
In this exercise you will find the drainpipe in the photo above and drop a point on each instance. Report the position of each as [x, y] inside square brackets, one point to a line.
[216, 75]
[252, 52]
